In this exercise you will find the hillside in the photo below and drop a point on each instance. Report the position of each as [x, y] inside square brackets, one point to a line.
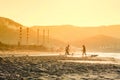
[61, 35]
[8, 30]
[100, 43]
[9, 34]
[69, 33]
[9, 23]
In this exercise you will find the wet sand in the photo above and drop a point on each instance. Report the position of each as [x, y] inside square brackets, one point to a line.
[56, 68]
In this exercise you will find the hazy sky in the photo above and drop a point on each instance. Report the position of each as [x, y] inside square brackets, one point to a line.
[59, 12]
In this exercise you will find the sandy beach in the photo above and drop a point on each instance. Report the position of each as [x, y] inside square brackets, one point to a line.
[58, 68]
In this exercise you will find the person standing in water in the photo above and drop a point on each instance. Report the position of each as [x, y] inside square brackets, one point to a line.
[83, 50]
[67, 50]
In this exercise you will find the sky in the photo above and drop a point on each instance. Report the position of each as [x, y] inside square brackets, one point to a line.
[62, 12]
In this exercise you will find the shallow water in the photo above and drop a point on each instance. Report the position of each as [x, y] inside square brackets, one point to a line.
[114, 55]
[75, 54]
[100, 54]
[87, 61]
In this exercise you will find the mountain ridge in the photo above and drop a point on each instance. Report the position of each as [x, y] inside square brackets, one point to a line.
[100, 43]
[60, 34]
[10, 23]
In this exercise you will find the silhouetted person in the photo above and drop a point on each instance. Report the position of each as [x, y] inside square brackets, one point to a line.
[67, 50]
[83, 50]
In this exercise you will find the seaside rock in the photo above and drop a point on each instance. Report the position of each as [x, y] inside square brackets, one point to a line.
[35, 67]
[1, 59]
[1, 78]
[118, 71]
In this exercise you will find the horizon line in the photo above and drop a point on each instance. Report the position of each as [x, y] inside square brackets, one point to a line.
[105, 25]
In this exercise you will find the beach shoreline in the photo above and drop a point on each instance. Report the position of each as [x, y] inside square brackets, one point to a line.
[51, 68]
